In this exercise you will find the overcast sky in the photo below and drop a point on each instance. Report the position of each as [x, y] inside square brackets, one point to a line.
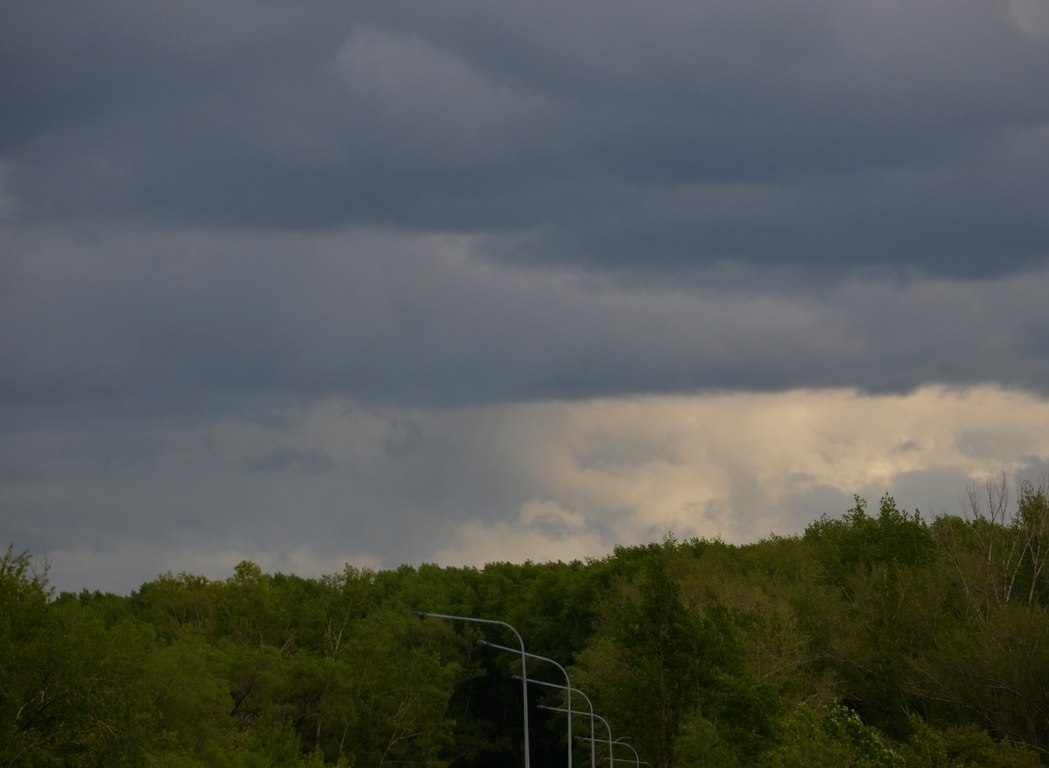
[461, 281]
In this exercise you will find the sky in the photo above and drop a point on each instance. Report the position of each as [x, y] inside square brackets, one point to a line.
[326, 282]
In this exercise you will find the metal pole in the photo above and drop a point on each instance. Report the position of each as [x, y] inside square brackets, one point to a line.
[611, 751]
[636, 761]
[524, 667]
[568, 686]
[593, 740]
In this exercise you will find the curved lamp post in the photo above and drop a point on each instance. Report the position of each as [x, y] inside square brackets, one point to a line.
[524, 669]
[637, 760]
[593, 716]
[568, 685]
[611, 751]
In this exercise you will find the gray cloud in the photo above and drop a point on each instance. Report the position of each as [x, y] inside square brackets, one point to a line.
[285, 281]
[828, 136]
[316, 484]
[306, 462]
[117, 318]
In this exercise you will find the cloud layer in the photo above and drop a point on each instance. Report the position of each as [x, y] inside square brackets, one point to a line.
[822, 135]
[480, 280]
[117, 319]
[335, 480]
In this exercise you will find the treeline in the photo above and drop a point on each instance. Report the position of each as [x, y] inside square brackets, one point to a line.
[874, 639]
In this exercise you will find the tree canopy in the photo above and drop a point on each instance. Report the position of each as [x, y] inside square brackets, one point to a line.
[867, 640]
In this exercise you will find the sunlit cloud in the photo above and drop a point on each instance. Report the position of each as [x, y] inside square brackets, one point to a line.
[333, 480]
[543, 532]
[742, 466]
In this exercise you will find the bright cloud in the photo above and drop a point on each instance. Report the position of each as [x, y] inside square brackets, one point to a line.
[332, 481]
[739, 466]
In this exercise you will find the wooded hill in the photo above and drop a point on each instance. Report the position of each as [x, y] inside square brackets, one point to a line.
[873, 639]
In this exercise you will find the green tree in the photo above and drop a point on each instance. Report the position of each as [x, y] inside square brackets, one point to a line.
[176, 603]
[649, 660]
[881, 568]
[1032, 523]
[192, 702]
[962, 746]
[69, 688]
[830, 737]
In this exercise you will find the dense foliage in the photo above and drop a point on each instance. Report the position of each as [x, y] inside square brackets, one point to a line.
[874, 640]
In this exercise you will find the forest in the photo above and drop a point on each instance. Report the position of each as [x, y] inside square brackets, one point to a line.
[874, 639]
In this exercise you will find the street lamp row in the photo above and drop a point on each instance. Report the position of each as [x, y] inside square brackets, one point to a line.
[524, 666]
[567, 687]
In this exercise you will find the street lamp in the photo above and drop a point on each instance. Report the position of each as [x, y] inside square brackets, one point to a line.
[568, 685]
[637, 761]
[593, 740]
[611, 752]
[524, 670]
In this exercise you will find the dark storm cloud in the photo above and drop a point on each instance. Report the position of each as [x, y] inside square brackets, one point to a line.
[826, 135]
[120, 321]
[317, 280]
